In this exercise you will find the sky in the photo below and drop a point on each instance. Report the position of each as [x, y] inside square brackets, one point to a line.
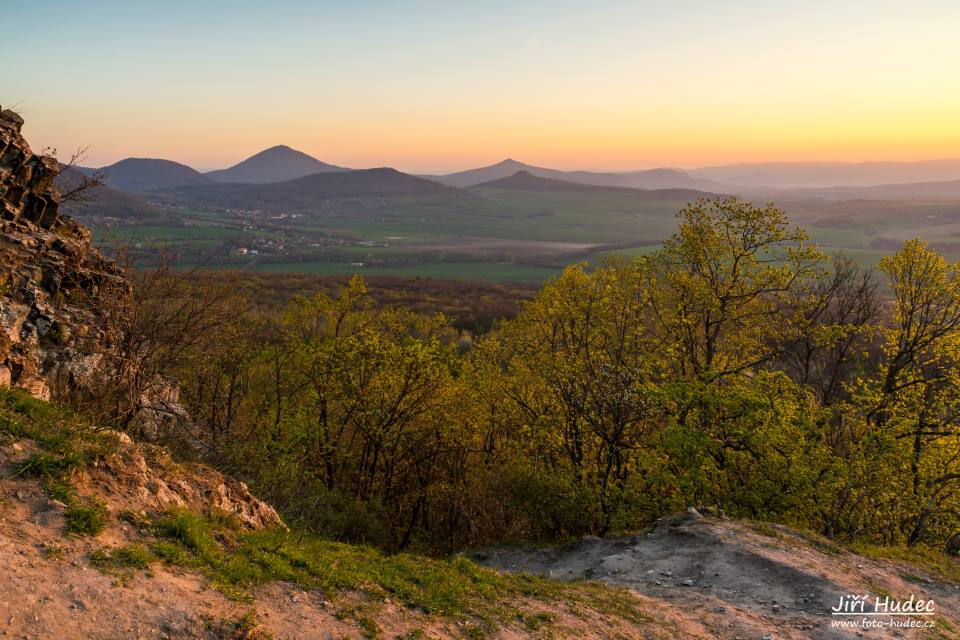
[447, 85]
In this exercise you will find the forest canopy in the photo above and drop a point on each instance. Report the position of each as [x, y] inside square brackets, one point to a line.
[737, 369]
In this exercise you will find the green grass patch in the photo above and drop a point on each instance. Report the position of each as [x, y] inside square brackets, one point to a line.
[235, 560]
[86, 517]
[131, 556]
[932, 561]
[67, 443]
[47, 465]
[122, 562]
[67, 439]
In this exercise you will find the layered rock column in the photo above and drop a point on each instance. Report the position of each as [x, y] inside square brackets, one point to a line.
[55, 288]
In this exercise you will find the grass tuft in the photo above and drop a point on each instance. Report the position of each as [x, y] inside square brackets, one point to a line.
[68, 443]
[86, 517]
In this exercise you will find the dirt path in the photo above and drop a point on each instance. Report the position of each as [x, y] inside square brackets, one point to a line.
[743, 582]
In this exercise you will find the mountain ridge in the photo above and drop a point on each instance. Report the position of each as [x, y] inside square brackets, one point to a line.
[662, 178]
[524, 180]
[310, 190]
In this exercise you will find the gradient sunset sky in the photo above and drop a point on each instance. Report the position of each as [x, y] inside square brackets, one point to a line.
[449, 85]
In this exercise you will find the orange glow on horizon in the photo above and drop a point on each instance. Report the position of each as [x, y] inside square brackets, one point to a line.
[609, 85]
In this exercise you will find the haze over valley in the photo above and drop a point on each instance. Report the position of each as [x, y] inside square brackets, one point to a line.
[283, 210]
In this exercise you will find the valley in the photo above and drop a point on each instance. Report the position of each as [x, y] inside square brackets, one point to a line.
[521, 227]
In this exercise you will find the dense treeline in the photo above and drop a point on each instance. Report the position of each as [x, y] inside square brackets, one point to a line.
[472, 307]
[738, 368]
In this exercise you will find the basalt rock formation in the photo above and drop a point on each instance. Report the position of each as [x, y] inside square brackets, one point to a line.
[54, 285]
[60, 301]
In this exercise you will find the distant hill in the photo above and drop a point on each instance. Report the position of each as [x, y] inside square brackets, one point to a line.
[652, 179]
[526, 181]
[472, 177]
[790, 175]
[275, 164]
[669, 179]
[313, 189]
[103, 201]
[147, 174]
[940, 190]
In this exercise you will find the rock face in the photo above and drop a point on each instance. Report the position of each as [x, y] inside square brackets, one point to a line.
[57, 295]
[144, 478]
[54, 287]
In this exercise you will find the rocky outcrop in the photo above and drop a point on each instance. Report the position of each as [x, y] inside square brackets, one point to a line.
[144, 478]
[59, 302]
[56, 290]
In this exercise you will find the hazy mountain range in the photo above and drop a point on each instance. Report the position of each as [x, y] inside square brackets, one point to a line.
[284, 177]
[651, 179]
[306, 191]
[525, 181]
[791, 175]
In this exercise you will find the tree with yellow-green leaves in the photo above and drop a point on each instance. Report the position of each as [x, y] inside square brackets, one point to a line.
[353, 418]
[723, 282]
[580, 369]
[726, 292]
[909, 405]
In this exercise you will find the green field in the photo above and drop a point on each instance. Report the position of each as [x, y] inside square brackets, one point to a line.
[173, 233]
[489, 271]
[507, 235]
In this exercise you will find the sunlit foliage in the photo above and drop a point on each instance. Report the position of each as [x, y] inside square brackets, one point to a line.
[737, 369]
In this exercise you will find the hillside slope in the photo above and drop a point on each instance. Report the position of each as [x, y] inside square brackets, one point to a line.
[745, 580]
[309, 191]
[147, 174]
[119, 540]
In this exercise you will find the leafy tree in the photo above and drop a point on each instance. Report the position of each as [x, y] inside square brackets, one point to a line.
[580, 368]
[912, 402]
[722, 283]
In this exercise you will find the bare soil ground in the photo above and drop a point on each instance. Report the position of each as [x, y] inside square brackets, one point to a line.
[692, 577]
[50, 588]
[743, 581]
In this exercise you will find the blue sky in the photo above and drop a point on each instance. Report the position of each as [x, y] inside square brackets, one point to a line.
[445, 85]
